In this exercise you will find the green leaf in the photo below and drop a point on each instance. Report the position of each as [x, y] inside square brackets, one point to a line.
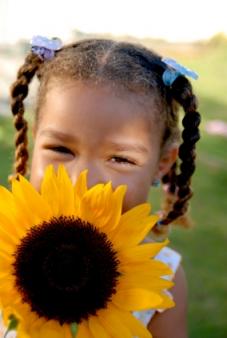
[74, 329]
[13, 323]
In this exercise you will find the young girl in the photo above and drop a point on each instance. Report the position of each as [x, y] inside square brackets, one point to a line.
[112, 107]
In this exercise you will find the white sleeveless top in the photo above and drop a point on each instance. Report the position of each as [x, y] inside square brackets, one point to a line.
[166, 255]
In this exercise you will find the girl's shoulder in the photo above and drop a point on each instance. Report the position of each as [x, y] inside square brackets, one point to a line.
[173, 259]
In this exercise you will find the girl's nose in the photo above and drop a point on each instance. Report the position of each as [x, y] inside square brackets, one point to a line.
[95, 174]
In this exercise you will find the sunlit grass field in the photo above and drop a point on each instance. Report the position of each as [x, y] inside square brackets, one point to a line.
[203, 248]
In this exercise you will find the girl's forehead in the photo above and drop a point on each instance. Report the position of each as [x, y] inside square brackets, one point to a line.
[74, 97]
[85, 110]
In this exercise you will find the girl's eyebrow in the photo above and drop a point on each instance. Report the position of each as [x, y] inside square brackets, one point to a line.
[124, 146]
[58, 134]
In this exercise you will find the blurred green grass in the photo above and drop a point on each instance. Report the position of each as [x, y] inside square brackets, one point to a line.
[6, 148]
[203, 247]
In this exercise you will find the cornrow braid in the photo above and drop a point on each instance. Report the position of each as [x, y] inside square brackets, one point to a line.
[19, 91]
[179, 185]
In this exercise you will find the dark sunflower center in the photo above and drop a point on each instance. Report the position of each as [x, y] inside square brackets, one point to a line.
[66, 269]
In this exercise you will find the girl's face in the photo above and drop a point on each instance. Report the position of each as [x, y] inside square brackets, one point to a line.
[92, 128]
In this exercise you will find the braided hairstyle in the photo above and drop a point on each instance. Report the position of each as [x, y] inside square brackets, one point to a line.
[130, 67]
[19, 91]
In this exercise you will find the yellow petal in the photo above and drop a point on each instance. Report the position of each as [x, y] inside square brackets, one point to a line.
[9, 208]
[30, 200]
[81, 184]
[84, 331]
[102, 207]
[96, 328]
[12, 225]
[6, 199]
[6, 300]
[4, 255]
[49, 190]
[167, 301]
[155, 267]
[111, 319]
[5, 264]
[7, 249]
[134, 226]
[32, 326]
[136, 327]
[67, 331]
[137, 299]
[22, 334]
[144, 280]
[113, 324]
[7, 243]
[141, 252]
[33, 199]
[92, 205]
[115, 209]
[80, 189]
[65, 191]
[15, 227]
[7, 285]
[6, 236]
[51, 329]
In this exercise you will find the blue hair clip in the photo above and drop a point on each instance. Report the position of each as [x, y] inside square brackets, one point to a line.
[45, 48]
[156, 182]
[174, 70]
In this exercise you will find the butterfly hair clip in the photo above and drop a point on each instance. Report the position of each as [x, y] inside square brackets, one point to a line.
[173, 70]
[45, 48]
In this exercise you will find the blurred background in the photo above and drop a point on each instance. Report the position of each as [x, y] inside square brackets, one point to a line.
[195, 33]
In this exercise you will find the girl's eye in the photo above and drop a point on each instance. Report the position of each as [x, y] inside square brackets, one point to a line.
[61, 149]
[122, 160]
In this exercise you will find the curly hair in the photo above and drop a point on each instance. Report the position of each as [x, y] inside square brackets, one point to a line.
[133, 68]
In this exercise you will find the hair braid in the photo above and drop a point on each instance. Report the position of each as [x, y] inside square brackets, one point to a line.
[179, 185]
[19, 92]
[170, 179]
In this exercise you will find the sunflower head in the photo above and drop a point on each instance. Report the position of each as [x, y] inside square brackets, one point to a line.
[66, 269]
[70, 260]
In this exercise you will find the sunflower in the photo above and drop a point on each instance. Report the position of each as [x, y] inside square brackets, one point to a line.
[71, 263]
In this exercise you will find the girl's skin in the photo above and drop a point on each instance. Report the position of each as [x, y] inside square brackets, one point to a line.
[115, 136]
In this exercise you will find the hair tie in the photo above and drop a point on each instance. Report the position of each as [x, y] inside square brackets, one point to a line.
[45, 48]
[174, 69]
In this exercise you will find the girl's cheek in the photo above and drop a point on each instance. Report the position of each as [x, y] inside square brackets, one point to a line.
[38, 166]
[136, 194]
[36, 178]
